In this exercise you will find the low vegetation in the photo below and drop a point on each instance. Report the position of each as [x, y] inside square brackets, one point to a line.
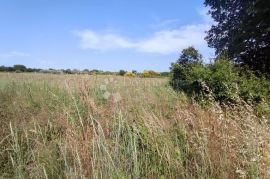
[91, 126]
[221, 81]
[21, 68]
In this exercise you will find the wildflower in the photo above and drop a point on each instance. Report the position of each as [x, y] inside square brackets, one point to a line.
[255, 159]
[106, 95]
[241, 173]
[103, 87]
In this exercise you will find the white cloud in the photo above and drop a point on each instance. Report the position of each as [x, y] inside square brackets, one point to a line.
[160, 42]
[93, 40]
[13, 54]
[170, 41]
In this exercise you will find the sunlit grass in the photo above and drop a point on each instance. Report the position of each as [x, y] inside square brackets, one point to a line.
[82, 126]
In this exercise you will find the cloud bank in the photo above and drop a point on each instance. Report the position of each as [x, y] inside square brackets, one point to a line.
[160, 42]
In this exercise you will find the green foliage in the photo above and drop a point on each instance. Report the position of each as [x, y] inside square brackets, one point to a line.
[242, 31]
[150, 73]
[122, 72]
[188, 70]
[254, 88]
[165, 74]
[85, 71]
[220, 81]
[189, 55]
[223, 81]
[19, 68]
[68, 71]
[16, 68]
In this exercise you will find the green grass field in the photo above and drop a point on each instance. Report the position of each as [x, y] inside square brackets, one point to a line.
[84, 126]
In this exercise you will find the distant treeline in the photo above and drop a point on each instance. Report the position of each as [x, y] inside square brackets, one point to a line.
[18, 68]
[21, 68]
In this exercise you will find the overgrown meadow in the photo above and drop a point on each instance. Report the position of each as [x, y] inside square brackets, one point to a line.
[97, 126]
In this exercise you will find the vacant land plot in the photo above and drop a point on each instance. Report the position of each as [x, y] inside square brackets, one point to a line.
[82, 126]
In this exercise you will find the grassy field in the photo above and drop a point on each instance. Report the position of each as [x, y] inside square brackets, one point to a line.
[82, 126]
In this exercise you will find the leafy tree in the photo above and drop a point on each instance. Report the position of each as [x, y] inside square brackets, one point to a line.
[21, 68]
[189, 55]
[76, 71]
[181, 69]
[122, 72]
[68, 71]
[95, 71]
[165, 74]
[242, 31]
[3, 68]
[85, 71]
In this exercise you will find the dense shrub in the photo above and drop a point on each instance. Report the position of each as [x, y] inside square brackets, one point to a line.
[130, 74]
[189, 73]
[122, 72]
[150, 73]
[221, 81]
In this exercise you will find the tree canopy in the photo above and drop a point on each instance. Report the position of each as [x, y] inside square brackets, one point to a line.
[242, 31]
[187, 59]
[189, 55]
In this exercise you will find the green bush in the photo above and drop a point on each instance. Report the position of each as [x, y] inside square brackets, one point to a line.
[122, 72]
[254, 88]
[221, 81]
[189, 78]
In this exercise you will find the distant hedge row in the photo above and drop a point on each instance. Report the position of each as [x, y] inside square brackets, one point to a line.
[133, 73]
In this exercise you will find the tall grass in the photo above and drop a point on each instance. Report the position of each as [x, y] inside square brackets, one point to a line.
[68, 126]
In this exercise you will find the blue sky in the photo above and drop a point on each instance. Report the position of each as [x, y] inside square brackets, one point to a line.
[98, 34]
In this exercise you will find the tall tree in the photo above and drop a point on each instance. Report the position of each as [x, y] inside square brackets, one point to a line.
[181, 69]
[20, 68]
[242, 31]
[189, 55]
